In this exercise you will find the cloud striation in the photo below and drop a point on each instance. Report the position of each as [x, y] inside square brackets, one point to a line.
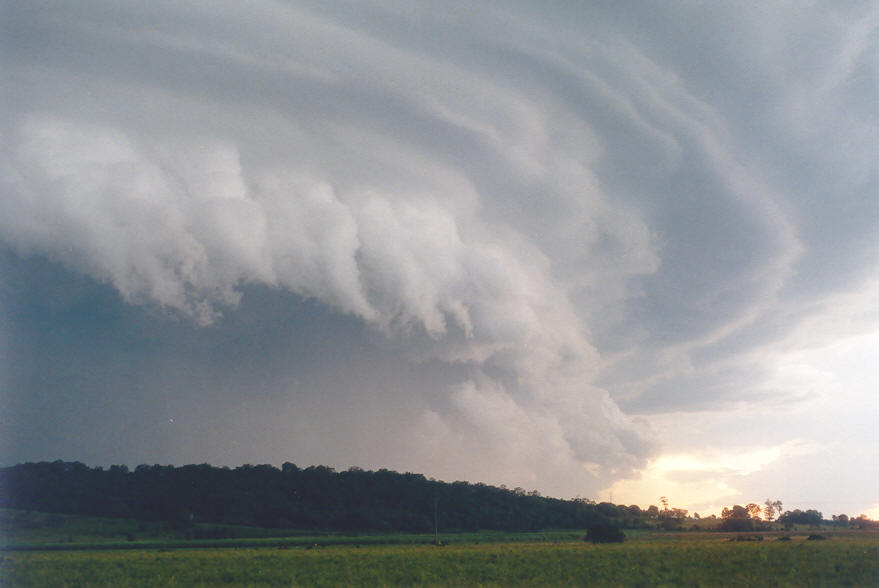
[493, 190]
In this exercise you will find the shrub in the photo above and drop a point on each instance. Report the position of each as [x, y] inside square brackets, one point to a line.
[747, 538]
[604, 534]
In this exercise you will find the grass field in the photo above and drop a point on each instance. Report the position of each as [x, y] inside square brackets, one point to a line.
[40, 549]
[36, 531]
[39, 528]
[851, 560]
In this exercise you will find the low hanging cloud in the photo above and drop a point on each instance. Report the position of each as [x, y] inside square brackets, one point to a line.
[184, 227]
[499, 187]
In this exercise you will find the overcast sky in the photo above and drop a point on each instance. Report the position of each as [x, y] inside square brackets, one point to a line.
[584, 248]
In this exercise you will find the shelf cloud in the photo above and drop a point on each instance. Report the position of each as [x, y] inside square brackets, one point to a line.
[514, 234]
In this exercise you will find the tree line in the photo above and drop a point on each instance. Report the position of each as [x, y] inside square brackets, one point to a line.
[315, 497]
[354, 500]
[753, 517]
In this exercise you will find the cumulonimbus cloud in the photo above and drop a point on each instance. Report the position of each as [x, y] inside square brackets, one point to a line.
[488, 192]
[184, 226]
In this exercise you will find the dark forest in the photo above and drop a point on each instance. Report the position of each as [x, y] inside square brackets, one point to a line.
[316, 497]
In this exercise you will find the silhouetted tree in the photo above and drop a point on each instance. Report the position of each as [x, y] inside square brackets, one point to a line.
[316, 498]
[813, 518]
[771, 509]
[863, 522]
[737, 518]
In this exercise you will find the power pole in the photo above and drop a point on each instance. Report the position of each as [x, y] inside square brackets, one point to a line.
[435, 521]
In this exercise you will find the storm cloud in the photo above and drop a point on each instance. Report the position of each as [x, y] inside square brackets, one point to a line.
[513, 233]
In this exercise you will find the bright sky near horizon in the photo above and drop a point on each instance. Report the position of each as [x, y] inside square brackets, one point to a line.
[584, 248]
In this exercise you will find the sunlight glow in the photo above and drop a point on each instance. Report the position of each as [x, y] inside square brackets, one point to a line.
[703, 481]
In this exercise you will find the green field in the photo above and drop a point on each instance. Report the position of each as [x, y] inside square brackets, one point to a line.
[843, 561]
[36, 531]
[846, 562]
[58, 550]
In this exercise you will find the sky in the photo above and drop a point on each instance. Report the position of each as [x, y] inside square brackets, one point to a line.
[606, 250]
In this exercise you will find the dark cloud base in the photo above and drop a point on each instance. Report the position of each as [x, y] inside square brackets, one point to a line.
[88, 377]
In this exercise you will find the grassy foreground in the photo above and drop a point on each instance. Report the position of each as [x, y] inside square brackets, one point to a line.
[841, 561]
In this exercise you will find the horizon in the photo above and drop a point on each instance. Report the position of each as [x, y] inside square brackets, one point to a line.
[587, 250]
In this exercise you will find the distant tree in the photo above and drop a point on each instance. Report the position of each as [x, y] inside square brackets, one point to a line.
[754, 511]
[768, 510]
[813, 518]
[678, 514]
[736, 512]
[652, 512]
[864, 522]
[840, 520]
[737, 518]
[771, 509]
[673, 518]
